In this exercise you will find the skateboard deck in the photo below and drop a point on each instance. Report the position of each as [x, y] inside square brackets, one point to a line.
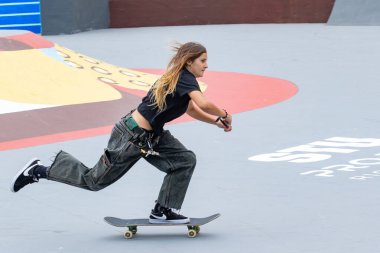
[193, 226]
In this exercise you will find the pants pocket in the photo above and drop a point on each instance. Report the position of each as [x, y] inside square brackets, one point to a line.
[101, 168]
[113, 164]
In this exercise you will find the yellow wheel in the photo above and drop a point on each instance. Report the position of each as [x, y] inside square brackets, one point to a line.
[192, 233]
[128, 234]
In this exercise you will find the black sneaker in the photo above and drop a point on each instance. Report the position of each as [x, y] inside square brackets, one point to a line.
[25, 176]
[161, 215]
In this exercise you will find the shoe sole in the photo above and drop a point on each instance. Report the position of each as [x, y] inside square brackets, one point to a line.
[21, 172]
[169, 221]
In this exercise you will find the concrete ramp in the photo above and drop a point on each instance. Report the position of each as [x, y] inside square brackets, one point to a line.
[354, 12]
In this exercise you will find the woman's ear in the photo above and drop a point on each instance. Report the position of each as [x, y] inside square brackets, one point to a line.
[188, 63]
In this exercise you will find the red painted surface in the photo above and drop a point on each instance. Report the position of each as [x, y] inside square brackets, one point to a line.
[53, 138]
[31, 40]
[235, 92]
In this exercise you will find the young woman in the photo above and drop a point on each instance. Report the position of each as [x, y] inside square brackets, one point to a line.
[141, 134]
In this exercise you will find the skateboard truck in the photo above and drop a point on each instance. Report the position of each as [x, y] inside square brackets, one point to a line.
[192, 232]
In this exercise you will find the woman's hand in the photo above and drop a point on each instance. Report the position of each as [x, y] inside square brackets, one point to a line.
[226, 123]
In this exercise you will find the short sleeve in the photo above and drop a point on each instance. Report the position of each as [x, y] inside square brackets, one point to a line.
[186, 84]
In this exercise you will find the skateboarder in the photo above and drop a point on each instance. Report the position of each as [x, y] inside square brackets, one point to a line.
[141, 134]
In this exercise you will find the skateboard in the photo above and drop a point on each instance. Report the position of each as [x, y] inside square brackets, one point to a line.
[193, 226]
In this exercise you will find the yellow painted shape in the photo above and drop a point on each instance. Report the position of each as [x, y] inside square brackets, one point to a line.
[30, 76]
[109, 73]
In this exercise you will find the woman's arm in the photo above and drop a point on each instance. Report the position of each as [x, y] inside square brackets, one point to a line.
[195, 112]
[208, 112]
[205, 105]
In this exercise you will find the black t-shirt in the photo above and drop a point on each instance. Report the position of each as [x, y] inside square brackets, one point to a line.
[176, 103]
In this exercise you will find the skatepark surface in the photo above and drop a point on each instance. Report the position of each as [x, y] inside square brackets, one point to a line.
[299, 172]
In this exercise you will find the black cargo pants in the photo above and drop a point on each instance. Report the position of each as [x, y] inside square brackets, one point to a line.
[121, 154]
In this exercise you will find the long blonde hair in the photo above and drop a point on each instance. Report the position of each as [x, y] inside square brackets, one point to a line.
[167, 83]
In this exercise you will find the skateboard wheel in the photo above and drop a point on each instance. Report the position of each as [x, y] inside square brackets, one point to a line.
[195, 228]
[128, 235]
[192, 233]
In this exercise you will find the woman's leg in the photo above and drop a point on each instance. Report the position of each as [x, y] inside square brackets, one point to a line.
[119, 156]
[178, 163]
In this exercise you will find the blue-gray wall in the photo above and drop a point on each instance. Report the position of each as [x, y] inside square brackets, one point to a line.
[73, 16]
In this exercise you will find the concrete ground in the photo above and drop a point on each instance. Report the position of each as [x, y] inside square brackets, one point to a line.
[297, 176]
